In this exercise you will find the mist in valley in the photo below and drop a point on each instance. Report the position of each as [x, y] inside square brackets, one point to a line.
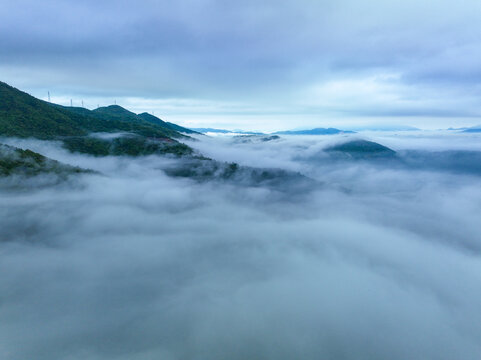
[338, 258]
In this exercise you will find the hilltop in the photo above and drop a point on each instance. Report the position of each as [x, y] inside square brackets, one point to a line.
[24, 116]
[155, 120]
[361, 149]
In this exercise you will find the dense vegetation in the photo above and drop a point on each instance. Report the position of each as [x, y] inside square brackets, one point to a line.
[202, 169]
[361, 149]
[115, 118]
[115, 131]
[22, 115]
[26, 162]
[125, 145]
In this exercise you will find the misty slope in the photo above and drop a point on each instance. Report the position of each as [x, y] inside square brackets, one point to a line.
[246, 139]
[125, 144]
[115, 131]
[15, 161]
[361, 149]
[131, 262]
[22, 115]
[115, 118]
[205, 170]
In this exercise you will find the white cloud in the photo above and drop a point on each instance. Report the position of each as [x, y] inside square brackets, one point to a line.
[379, 262]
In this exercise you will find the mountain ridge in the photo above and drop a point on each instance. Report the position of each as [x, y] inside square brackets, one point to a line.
[23, 115]
[315, 131]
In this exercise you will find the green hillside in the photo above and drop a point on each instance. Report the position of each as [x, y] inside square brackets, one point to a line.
[15, 161]
[361, 149]
[115, 112]
[22, 115]
[129, 145]
[155, 120]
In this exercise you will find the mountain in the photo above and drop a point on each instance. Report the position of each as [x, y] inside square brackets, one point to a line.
[115, 118]
[211, 130]
[360, 149]
[223, 131]
[316, 131]
[15, 161]
[115, 112]
[113, 130]
[251, 139]
[124, 144]
[22, 115]
[284, 181]
[155, 120]
[385, 128]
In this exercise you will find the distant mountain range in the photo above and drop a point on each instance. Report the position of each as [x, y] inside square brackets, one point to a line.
[316, 131]
[223, 131]
[474, 129]
[113, 131]
[384, 128]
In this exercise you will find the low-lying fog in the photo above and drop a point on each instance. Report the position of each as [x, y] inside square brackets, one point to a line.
[376, 261]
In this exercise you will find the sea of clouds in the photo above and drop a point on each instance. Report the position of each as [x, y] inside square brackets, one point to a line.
[376, 260]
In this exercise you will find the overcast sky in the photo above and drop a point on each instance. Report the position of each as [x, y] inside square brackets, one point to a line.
[253, 64]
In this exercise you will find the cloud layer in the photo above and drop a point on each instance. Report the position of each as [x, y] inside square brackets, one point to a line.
[318, 62]
[380, 262]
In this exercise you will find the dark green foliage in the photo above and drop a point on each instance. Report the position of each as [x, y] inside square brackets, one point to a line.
[230, 170]
[210, 170]
[125, 145]
[361, 149]
[23, 115]
[87, 145]
[115, 112]
[28, 163]
[115, 118]
[138, 146]
[248, 139]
